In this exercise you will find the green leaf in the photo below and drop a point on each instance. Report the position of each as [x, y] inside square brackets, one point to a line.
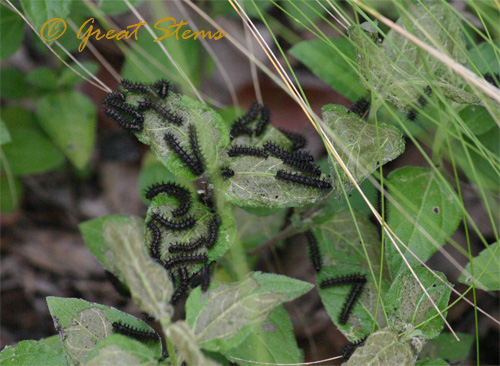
[486, 265]
[12, 30]
[303, 13]
[477, 118]
[121, 350]
[362, 146]
[82, 324]
[399, 70]
[383, 348]
[255, 230]
[340, 243]
[481, 168]
[14, 85]
[445, 346]
[184, 340]
[10, 196]
[4, 133]
[31, 353]
[108, 7]
[273, 341]
[226, 314]
[432, 362]
[484, 58]
[153, 64]
[54, 342]
[333, 61]
[42, 77]
[30, 151]
[254, 184]
[69, 78]
[70, 120]
[126, 255]
[406, 302]
[361, 319]
[40, 11]
[426, 199]
[211, 130]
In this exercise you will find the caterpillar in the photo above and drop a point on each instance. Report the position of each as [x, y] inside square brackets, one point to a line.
[161, 87]
[125, 108]
[314, 252]
[302, 166]
[265, 117]
[250, 115]
[213, 232]
[281, 153]
[122, 121]
[358, 281]
[360, 107]
[206, 197]
[239, 129]
[185, 224]
[185, 259]
[134, 87]
[114, 96]
[172, 189]
[187, 159]
[302, 180]
[239, 150]
[181, 286]
[186, 248]
[226, 172]
[167, 114]
[298, 140]
[195, 146]
[350, 347]
[135, 333]
[154, 247]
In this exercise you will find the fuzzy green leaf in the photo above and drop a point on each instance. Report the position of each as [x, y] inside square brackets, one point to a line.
[118, 349]
[432, 362]
[383, 348]
[31, 353]
[398, 70]
[82, 324]
[149, 283]
[273, 341]
[30, 151]
[428, 203]
[485, 58]
[486, 265]
[40, 11]
[406, 302]
[333, 61]
[14, 84]
[477, 118]
[185, 343]
[254, 183]
[361, 319]
[445, 346]
[43, 78]
[12, 30]
[211, 130]
[362, 146]
[255, 230]
[69, 118]
[69, 78]
[225, 315]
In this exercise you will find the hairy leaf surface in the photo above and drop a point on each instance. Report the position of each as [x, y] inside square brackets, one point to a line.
[486, 265]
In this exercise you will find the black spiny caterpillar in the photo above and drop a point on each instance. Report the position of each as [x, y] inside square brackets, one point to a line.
[265, 117]
[302, 180]
[161, 87]
[154, 247]
[247, 150]
[185, 259]
[180, 225]
[135, 87]
[122, 121]
[213, 232]
[132, 332]
[314, 252]
[298, 140]
[187, 159]
[189, 247]
[172, 189]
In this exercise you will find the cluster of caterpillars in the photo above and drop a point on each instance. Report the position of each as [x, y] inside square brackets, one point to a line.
[181, 256]
[306, 173]
[131, 118]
